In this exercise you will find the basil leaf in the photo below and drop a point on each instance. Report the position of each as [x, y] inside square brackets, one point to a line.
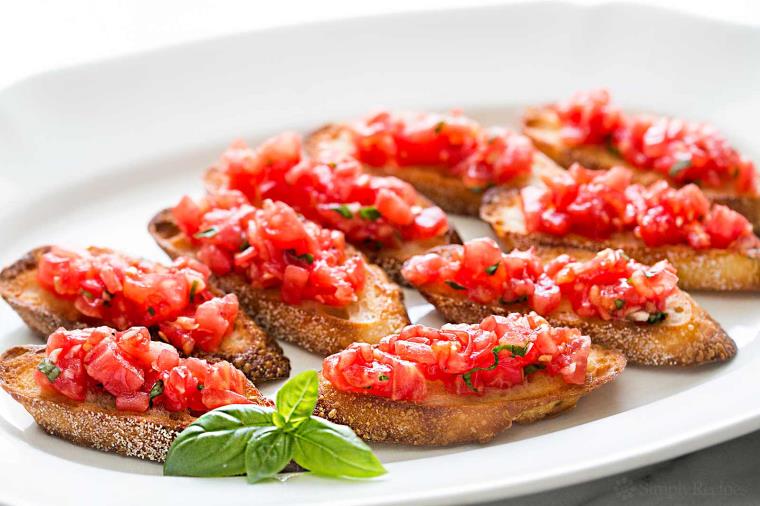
[296, 399]
[343, 210]
[329, 449]
[215, 444]
[267, 453]
[491, 269]
[369, 213]
[656, 317]
[49, 369]
[531, 368]
[619, 303]
[209, 232]
[455, 285]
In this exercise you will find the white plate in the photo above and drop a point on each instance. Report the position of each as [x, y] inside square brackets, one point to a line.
[88, 154]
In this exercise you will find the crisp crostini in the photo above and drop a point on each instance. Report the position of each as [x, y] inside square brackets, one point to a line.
[299, 281]
[383, 217]
[450, 159]
[52, 287]
[462, 383]
[590, 130]
[118, 392]
[618, 302]
[711, 246]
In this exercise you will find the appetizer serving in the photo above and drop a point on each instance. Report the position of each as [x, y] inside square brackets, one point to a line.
[448, 157]
[620, 303]
[462, 383]
[299, 281]
[711, 246]
[590, 130]
[53, 287]
[118, 391]
[383, 217]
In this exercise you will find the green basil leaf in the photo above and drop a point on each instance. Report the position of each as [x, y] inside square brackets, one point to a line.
[267, 453]
[329, 449]
[344, 211]
[296, 399]
[369, 213]
[215, 444]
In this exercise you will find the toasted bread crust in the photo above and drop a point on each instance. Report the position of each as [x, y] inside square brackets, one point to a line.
[447, 419]
[248, 348]
[95, 423]
[710, 269]
[313, 326]
[542, 127]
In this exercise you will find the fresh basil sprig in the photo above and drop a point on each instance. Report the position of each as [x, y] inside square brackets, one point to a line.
[259, 441]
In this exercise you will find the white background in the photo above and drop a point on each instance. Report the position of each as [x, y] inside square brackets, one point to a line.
[40, 35]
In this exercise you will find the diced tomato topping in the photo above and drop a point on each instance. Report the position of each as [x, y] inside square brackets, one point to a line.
[484, 274]
[465, 359]
[613, 286]
[380, 211]
[684, 151]
[136, 371]
[608, 286]
[122, 292]
[274, 247]
[481, 157]
[597, 204]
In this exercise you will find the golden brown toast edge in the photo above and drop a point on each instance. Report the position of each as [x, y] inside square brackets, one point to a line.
[95, 423]
[710, 269]
[248, 348]
[448, 419]
[315, 327]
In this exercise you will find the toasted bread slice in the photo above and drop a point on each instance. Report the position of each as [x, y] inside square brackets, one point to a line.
[543, 127]
[447, 419]
[708, 269]
[248, 348]
[95, 423]
[446, 190]
[687, 336]
[319, 328]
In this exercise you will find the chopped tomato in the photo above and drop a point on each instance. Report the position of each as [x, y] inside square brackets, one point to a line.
[274, 247]
[335, 193]
[136, 371]
[484, 274]
[608, 286]
[685, 152]
[481, 157]
[597, 204]
[465, 359]
[124, 292]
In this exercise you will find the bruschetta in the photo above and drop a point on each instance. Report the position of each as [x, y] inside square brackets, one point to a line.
[299, 281]
[589, 129]
[462, 383]
[118, 392]
[449, 158]
[620, 303]
[383, 217]
[711, 246]
[53, 287]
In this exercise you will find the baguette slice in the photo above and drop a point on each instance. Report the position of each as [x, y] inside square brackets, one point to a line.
[688, 336]
[709, 269]
[542, 126]
[94, 423]
[316, 327]
[248, 348]
[446, 419]
[446, 190]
